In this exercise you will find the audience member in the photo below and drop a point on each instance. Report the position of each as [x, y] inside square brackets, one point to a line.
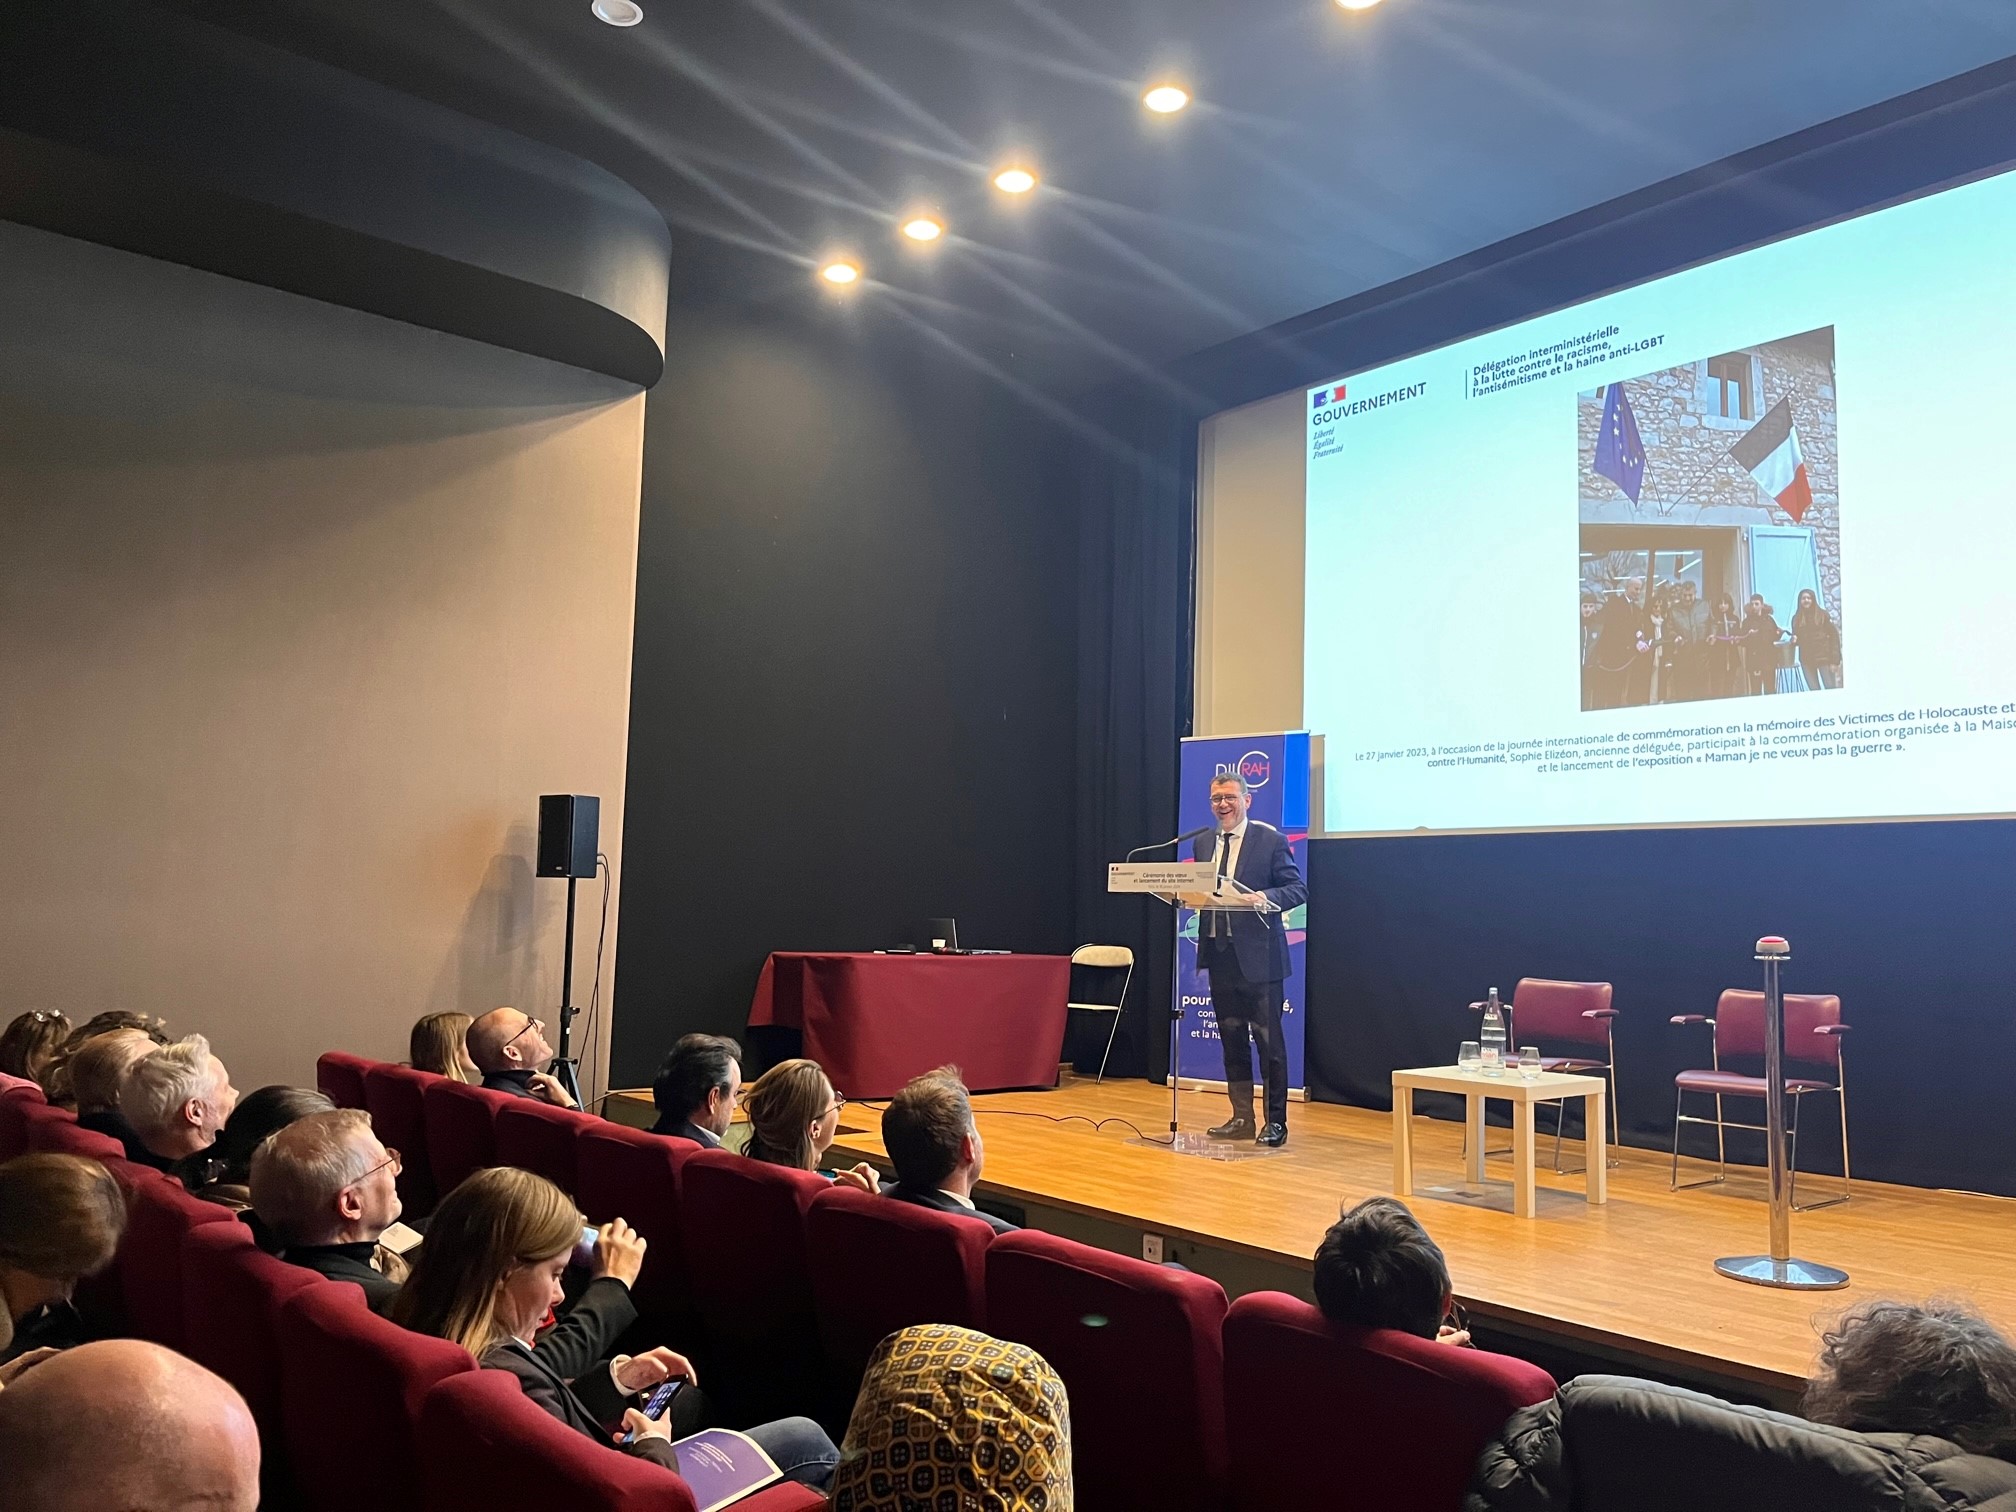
[440, 1043]
[509, 1048]
[1940, 1369]
[933, 1142]
[95, 1072]
[490, 1273]
[29, 1043]
[793, 1115]
[56, 1079]
[126, 1426]
[176, 1099]
[952, 1418]
[323, 1189]
[1377, 1268]
[60, 1220]
[696, 1089]
[223, 1173]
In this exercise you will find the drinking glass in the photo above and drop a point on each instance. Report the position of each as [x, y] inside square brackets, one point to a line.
[1529, 1061]
[1470, 1056]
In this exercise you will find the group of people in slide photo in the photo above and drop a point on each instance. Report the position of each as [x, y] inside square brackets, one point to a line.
[1672, 646]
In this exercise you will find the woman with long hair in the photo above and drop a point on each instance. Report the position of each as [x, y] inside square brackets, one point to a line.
[1819, 641]
[60, 1220]
[488, 1276]
[29, 1043]
[223, 1173]
[440, 1043]
[794, 1114]
[1725, 655]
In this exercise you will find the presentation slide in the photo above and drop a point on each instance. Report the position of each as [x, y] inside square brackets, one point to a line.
[1732, 545]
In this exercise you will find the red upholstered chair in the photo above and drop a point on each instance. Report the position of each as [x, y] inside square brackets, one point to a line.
[232, 1294]
[537, 1137]
[482, 1444]
[1320, 1414]
[350, 1396]
[626, 1173]
[59, 1133]
[1813, 1031]
[159, 1216]
[879, 1265]
[461, 1130]
[1140, 1351]
[395, 1097]
[340, 1075]
[752, 1282]
[17, 1095]
[1572, 1023]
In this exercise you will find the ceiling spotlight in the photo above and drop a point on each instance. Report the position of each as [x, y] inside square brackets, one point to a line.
[1166, 99]
[923, 228]
[1014, 181]
[840, 271]
[1357, 4]
[618, 12]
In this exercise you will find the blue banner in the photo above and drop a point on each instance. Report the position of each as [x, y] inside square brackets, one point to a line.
[1276, 769]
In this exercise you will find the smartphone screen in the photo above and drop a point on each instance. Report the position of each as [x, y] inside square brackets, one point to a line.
[656, 1404]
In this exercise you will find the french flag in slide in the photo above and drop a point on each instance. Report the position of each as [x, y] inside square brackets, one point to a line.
[1325, 396]
[1770, 453]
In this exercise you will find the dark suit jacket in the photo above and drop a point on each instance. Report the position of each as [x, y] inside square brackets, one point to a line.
[682, 1128]
[1267, 865]
[511, 1083]
[939, 1202]
[346, 1262]
[567, 1371]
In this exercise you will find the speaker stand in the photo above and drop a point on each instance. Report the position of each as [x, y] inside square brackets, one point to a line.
[563, 1060]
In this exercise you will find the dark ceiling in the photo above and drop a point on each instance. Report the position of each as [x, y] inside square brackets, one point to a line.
[1328, 152]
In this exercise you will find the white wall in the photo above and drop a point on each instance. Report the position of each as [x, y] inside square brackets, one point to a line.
[300, 611]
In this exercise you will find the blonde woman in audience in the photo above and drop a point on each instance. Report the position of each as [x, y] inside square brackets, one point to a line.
[794, 1114]
[29, 1043]
[937, 1406]
[56, 1076]
[440, 1043]
[60, 1220]
[488, 1276]
[95, 1071]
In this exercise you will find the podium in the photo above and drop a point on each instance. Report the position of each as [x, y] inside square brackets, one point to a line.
[1190, 884]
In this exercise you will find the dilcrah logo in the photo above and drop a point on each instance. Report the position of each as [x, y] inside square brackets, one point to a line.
[1325, 396]
[1335, 407]
[1255, 766]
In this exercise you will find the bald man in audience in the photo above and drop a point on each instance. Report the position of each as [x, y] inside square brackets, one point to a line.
[125, 1426]
[509, 1049]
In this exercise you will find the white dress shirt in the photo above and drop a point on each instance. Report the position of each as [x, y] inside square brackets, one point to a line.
[1238, 834]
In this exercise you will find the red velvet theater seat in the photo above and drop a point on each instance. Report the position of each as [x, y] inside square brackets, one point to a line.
[351, 1386]
[461, 1130]
[395, 1097]
[59, 1133]
[482, 1444]
[879, 1265]
[1400, 1420]
[536, 1137]
[745, 1228]
[1139, 1348]
[17, 1096]
[159, 1216]
[340, 1076]
[629, 1174]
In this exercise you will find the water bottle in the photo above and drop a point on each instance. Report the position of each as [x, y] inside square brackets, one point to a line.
[1492, 1040]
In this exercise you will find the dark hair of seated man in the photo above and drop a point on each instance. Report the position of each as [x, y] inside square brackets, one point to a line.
[1377, 1268]
[1939, 1369]
[923, 1126]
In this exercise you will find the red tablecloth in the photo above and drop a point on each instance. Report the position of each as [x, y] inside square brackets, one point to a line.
[875, 1021]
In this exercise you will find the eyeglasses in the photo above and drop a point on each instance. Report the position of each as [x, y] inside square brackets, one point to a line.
[530, 1024]
[391, 1159]
[839, 1103]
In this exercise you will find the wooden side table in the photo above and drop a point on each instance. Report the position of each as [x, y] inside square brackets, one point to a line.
[1524, 1094]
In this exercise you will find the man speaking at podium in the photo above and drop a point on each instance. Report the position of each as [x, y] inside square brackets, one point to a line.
[1245, 953]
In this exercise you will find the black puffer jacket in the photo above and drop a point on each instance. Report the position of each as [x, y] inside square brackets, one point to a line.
[1613, 1444]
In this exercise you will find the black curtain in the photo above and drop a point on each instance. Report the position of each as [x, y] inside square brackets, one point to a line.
[1134, 475]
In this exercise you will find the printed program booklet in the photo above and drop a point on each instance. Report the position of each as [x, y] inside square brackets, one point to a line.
[723, 1466]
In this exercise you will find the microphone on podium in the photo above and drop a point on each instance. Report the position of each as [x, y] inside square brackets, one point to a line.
[1202, 829]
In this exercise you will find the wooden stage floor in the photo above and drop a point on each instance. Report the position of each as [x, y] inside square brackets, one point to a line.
[1631, 1281]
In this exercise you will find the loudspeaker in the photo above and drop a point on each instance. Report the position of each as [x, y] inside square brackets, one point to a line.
[569, 826]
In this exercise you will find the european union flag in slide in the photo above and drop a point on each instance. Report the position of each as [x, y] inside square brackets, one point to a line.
[1620, 456]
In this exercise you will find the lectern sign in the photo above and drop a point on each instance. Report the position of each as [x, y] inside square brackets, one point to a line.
[1168, 878]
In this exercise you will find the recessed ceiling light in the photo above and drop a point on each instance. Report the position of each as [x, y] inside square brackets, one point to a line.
[1357, 4]
[618, 12]
[840, 271]
[1014, 181]
[1166, 99]
[923, 228]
